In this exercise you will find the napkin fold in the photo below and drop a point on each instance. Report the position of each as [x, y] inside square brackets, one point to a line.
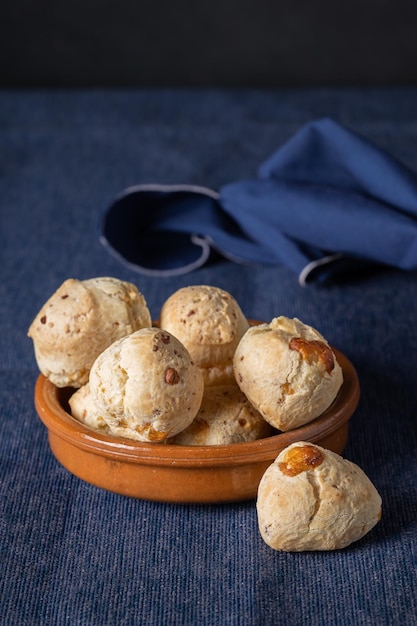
[328, 201]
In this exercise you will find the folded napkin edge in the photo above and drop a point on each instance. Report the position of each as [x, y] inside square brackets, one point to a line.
[166, 273]
[318, 263]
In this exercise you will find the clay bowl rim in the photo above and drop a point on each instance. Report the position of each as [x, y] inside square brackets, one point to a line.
[50, 402]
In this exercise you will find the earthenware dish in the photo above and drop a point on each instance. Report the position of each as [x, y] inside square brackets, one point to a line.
[183, 474]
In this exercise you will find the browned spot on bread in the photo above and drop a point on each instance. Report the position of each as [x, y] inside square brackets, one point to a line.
[171, 376]
[287, 389]
[198, 425]
[314, 352]
[301, 459]
[152, 434]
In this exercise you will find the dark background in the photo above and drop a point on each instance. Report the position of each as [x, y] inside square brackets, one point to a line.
[255, 43]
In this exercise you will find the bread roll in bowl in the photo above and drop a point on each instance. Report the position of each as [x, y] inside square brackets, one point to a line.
[146, 386]
[79, 321]
[288, 372]
[85, 410]
[225, 416]
[210, 323]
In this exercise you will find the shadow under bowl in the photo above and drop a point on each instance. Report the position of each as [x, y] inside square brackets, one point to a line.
[183, 474]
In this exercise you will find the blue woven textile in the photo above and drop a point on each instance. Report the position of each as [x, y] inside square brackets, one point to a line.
[71, 553]
[322, 203]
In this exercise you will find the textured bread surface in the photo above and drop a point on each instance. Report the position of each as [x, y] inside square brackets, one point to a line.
[84, 409]
[210, 323]
[225, 416]
[147, 386]
[79, 321]
[313, 499]
[288, 372]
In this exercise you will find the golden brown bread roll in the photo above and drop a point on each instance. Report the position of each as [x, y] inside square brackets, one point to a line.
[288, 372]
[84, 409]
[225, 416]
[79, 321]
[146, 386]
[210, 323]
[313, 499]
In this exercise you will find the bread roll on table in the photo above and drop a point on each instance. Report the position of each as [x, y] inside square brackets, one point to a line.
[313, 499]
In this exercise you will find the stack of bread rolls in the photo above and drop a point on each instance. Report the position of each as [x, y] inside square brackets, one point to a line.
[203, 375]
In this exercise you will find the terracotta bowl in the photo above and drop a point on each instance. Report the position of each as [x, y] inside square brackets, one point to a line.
[169, 473]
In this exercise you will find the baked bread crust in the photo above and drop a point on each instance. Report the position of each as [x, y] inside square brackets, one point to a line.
[146, 386]
[84, 409]
[313, 499]
[79, 321]
[288, 372]
[210, 323]
[225, 417]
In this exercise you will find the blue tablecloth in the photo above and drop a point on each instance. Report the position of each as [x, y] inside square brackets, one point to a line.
[74, 554]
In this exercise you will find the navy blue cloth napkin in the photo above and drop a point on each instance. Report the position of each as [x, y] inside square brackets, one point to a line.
[328, 201]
